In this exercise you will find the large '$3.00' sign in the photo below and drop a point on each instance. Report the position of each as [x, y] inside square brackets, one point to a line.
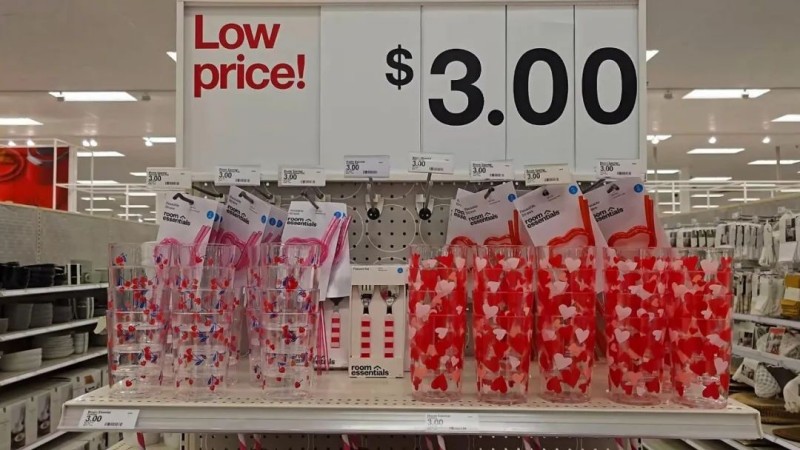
[308, 85]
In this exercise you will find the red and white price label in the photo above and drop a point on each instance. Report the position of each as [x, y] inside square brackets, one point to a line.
[491, 171]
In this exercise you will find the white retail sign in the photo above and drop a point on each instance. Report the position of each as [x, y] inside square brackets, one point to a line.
[432, 163]
[273, 84]
[367, 166]
[238, 176]
[620, 168]
[451, 421]
[547, 174]
[168, 178]
[491, 170]
[301, 176]
[108, 419]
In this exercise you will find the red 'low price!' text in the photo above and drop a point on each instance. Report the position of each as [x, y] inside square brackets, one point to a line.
[244, 74]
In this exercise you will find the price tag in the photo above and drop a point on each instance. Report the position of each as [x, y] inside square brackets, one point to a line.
[168, 178]
[547, 174]
[301, 176]
[491, 170]
[432, 163]
[238, 176]
[451, 422]
[619, 168]
[366, 166]
[109, 419]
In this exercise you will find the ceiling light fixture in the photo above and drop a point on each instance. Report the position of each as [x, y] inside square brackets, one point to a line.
[97, 182]
[100, 154]
[788, 118]
[669, 212]
[766, 140]
[773, 162]
[663, 171]
[712, 140]
[136, 206]
[129, 215]
[658, 137]
[790, 190]
[147, 143]
[668, 203]
[139, 174]
[711, 178]
[30, 143]
[12, 144]
[760, 185]
[705, 206]
[99, 209]
[649, 54]
[141, 194]
[742, 199]
[92, 143]
[18, 121]
[93, 96]
[159, 140]
[663, 191]
[707, 195]
[149, 219]
[95, 199]
[173, 55]
[716, 94]
[715, 151]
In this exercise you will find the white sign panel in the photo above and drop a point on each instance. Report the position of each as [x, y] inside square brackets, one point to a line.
[491, 170]
[301, 176]
[168, 178]
[547, 174]
[451, 421]
[370, 73]
[108, 419]
[238, 176]
[367, 166]
[432, 163]
[619, 168]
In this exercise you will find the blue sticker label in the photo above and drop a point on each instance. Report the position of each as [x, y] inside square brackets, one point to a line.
[512, 197]
[338, 214]
[638, 188]
[573, 190]
[210, 214]
[272, 221]
[263, 219]
[280, 224]
[399, 270]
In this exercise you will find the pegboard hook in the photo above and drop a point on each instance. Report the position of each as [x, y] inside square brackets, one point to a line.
[305, 195]
[425, 212]
[373, 213]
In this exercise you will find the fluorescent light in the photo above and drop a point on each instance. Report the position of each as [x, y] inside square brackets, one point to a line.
[30, 143]
[791, 190]
[159, 140]
[149, 219]
[649, 54]
[715, 151]
[712, 140]
[760, 185]
[773, 162]
[11, 144]
[129, 215]
[655, 138]
[96, 199]
[785, 118]
[139, 174]
[707, 195]
[142, 194]
[663, 191]
[136, 206]
[173, 55]
[663, 171]
[93, 96]
[99, 209]
[742, 199]
[21, 121]
[92, 143]
[98, 182]
[705, 206]
[708, 94]
[668, 203]
[100, 154]
[153, 212]
[711, 178]
[669, 212]
[766, 140]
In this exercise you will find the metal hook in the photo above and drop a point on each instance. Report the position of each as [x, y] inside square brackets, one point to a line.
[595, 185]
[488, 192]
[244, 195]
[305, 195]
[207, 192]
[178, 195]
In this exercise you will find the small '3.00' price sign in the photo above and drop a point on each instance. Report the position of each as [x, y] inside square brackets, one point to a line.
[168, 178]
[301, 176]
[108, 419]
[491, 170]
[432, 163]
[238, 176]
[547, 174]
[451, 422]
[619, 168]
[367, 166]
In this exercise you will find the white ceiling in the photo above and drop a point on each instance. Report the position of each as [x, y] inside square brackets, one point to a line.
[121, 45]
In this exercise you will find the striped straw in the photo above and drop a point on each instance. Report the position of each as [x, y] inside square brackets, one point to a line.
[140, 440]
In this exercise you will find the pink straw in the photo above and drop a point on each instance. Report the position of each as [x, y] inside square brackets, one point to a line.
[242, 442]
[256, 442]
[231, 239]
[345, 443]
[140, 440]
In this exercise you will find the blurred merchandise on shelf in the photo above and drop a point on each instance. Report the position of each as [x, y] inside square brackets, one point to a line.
[26, 175]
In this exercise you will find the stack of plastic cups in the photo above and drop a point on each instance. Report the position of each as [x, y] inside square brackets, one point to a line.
[437, 321]
[701, 327]
[565, 321]
[503, 321]
[636, 302]
[282, 315]
[202, 318]
[138, 316]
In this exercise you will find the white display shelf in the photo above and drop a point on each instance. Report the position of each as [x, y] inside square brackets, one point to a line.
[65, 289]
[50, 437]
[788, 323]
[767, 358]
[51, 365]
[122, 445]
[785, 443]
[13, 335]
[698, 444]
[340, 404]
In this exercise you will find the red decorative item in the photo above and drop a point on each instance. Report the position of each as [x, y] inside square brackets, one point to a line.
[565, 319]
[437, 321]
[700, 328]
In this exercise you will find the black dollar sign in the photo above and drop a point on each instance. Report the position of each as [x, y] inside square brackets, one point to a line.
[404, 72]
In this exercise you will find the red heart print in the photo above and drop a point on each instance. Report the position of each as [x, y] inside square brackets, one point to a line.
[416, 381]
[698, 367]
[492, 364]
[545, 362]
[499, 385]
[653, 385]
[638, 344]
[725, 381]
[440, 383]
[711, 391]
[679, 388]
[615, 376]
[571, 375]
[554, 385]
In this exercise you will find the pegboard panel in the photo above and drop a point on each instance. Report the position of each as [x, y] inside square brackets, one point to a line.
[223, 441]
[18, 226]
[67, 237]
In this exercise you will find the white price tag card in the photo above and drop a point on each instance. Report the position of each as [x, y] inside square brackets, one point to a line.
[366, 166]
[451, 422]
[168, 178]
[301, 176]
[432, 163]
[238, 176]
[547, 174]
[491, 170]
[619, 168]
[109, 419]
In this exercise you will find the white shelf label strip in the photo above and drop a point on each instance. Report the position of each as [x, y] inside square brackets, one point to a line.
[451, 422]
[108, 419]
